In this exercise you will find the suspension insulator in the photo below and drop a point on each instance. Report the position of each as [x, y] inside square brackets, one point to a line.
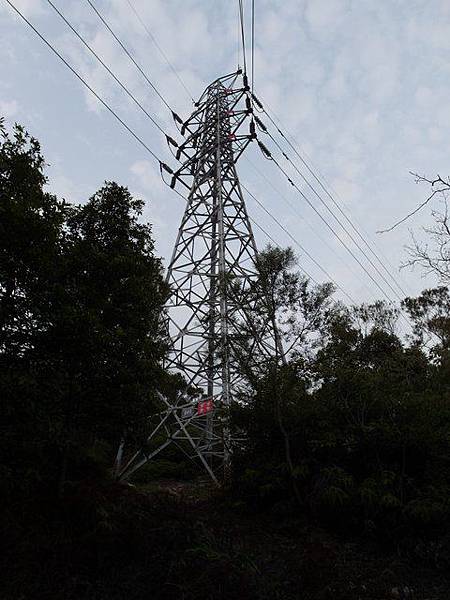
[248, 104]
[177, 118]
[171, 141]
[265, 150]
[166, 168]
[252, 129]
[257, 102]
[260, 124]
[245, 78]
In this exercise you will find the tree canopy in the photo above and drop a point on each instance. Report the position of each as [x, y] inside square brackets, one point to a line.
[81, 297]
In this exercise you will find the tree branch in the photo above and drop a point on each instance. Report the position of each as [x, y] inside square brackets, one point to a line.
[422, 179]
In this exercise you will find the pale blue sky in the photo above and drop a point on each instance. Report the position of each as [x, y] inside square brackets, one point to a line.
[363, 85]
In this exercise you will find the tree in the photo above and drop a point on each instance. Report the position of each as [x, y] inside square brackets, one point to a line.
[106, 343]
[31, 233]
[296, 312]
[81, 335]
[433, 257]
[430, 313]
[31, 243]
[366, 418]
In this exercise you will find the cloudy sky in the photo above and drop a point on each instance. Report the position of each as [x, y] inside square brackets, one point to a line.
[362, 85]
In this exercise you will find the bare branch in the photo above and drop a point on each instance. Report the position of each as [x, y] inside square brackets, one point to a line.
[444, 187]
[433, 258]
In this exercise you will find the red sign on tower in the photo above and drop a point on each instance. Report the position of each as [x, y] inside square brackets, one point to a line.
[204, 407]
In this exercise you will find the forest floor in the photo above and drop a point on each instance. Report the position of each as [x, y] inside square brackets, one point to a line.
[292, 560]
[181, 540]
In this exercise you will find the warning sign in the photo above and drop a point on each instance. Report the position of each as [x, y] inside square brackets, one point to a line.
[204, 407]
[187, 412]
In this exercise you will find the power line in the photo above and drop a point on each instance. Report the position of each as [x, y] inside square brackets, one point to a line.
[302, 218]
[349, 250]
[279, 246]
[253, 45]
[130, 56]
[116, 116]
[161, 51]
[269, 182]
[347, 218]
[238, 37]
[256, 200]
[136, 101]
[330, 227]
[264, 128]
[297, 243]
[373, 265]
[241, 20]
[84, 82]
[327, 192]
[105, 66]
[288, 202]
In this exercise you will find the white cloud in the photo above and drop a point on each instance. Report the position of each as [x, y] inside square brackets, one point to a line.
[8, 108]
[146, 175]
[324, 15]
[424, 96]
[347, 189]
[30, 8]
[363, 86]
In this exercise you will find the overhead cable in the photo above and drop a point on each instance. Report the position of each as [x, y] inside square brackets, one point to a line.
[105, 66]
[241, 21]
[160, 50]
[84, 82]
[292, 144]
[297, 243]
[253, 45]
[130, 56]
[269, 156]
[122, 122]
[339, 221]
[116, 116]
[302, 218]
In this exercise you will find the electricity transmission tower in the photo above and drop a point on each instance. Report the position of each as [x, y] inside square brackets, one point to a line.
[210, 275]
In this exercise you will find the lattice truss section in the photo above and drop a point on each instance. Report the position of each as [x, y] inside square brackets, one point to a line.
[210, 276]
[213, 260]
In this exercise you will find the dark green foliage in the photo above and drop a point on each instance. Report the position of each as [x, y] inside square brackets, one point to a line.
[80, 323]
[365, 419]
[31, 240]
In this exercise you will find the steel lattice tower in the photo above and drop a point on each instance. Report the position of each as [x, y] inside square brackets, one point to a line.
[210, 276]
